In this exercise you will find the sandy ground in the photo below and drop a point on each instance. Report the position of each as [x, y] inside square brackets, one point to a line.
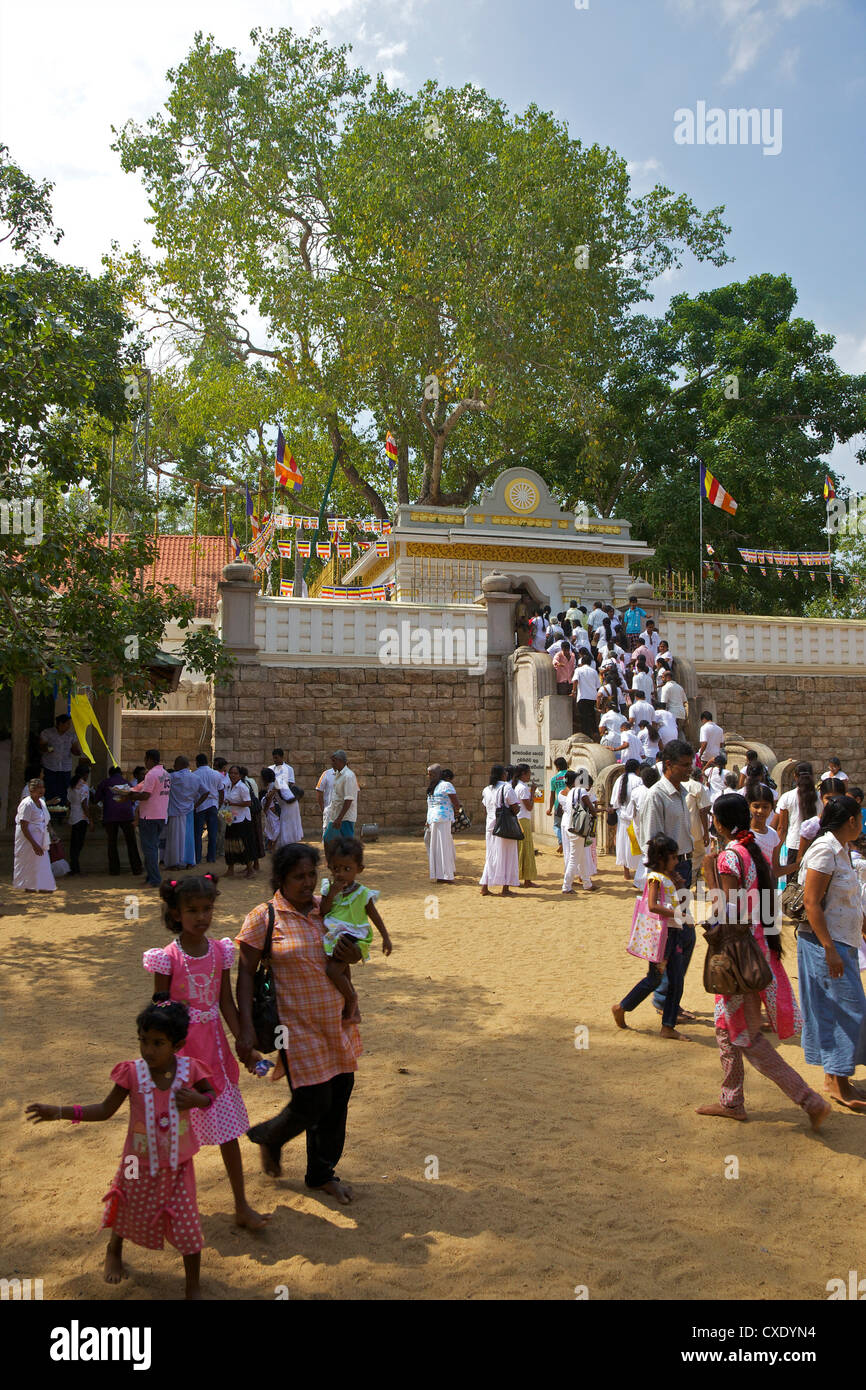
[558, 1167]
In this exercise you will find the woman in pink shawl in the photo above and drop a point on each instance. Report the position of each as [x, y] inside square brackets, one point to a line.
[743, 875]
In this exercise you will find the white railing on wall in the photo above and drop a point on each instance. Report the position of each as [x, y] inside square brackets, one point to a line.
[726, 643]
[321, 632]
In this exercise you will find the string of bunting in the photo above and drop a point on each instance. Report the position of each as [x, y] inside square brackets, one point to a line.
[285, 521]
[713, 569]
[367, 594]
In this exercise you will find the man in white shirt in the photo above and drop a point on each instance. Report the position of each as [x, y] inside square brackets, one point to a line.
[650, 638]
[596, 617]
[612, 722]
[641, 709]
[630, 745]
[57, 763]
[673, 697]
[283, 771]
[573, 613]
[580, 639]
[342, 809]
[712, 739]
[584, 685]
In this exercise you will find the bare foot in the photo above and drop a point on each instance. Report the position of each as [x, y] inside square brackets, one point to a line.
[485, 892]
[817, 1117]
[506, 893]
[672, 1033]
[528, 883]
[619, 1015]
[250, 1219]
[193, 1293]
[724, 1110]
[113, 1269]
[270, 1159]
[341, 1190]
[351, 1013]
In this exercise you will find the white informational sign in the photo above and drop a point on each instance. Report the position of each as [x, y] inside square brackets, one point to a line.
[536, 756]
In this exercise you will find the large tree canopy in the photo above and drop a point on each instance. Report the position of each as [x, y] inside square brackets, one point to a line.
[732, 380]
[66, 347]
[427, 264]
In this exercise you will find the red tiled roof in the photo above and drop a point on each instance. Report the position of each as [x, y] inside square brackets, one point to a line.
[174, 566]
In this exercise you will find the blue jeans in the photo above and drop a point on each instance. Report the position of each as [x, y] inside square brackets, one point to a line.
[673, 981]
[149, 832]
[557, 829]
[346, 829]
[688, 936]
[210, 819]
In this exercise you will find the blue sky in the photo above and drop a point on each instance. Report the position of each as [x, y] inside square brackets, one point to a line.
[615, 72]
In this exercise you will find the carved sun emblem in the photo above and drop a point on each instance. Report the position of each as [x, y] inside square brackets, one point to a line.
[522, 495]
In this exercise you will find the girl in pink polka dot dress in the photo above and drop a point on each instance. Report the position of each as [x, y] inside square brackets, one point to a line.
[197, 971]
[152, 1198]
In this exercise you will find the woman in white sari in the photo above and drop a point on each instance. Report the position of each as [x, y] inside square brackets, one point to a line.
[501, 864]
[289, 808]
[32, 867]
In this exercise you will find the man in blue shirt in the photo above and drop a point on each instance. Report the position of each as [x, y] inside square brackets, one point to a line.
[634, 619]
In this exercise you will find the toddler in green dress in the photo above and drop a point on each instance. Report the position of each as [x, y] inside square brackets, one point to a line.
[347, 908]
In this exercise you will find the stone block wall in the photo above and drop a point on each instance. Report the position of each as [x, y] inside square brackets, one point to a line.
[169, 731]
[392, 723]
[809, 717]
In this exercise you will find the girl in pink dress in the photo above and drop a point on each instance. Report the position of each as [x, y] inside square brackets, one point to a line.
[152, 1197]
[197, 971]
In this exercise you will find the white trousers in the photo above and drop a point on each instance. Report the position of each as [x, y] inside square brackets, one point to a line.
[577, 861]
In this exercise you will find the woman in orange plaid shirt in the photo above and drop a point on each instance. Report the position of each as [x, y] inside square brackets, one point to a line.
[322, 1047]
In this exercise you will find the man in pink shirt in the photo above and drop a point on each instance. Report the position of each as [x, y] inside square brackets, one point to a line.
[152, 792]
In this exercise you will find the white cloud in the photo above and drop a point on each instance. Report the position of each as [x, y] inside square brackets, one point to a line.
[753, 27]
[640, 169]
[392, 50]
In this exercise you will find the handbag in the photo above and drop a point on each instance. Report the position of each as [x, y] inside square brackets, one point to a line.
[649, 932]
[266, 1020]
[735, 963]
[580, 822]
[297, 792]
[506, 825]
[612, 818]
[794, 902]
[461, 821]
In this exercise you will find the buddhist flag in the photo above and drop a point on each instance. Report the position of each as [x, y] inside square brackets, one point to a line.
[715, 493]
[323, 551]
[287, 474]
[811, 574]
[763, 571]
[234, 543]
[344, 551]
[286, 588]
[304, 549]
[285, 549]
[391, 449]
[710, 550]
[382, 548]
[83, 719]
[829, 490]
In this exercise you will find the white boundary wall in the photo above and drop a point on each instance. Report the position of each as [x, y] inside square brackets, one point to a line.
[323, 632]
[725, 643]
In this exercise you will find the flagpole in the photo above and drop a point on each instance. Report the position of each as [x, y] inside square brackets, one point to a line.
[701, 538]
[226, 523]
[194, 534]
[325, 496]
[829, 551]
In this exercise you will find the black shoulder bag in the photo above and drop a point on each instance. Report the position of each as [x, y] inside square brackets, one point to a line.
[506, 824]
[266, 1020]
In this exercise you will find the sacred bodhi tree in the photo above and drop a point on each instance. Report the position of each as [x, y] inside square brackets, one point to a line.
[66, 348]
[426, 264]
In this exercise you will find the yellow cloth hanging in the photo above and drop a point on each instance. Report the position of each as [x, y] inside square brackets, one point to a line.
[83, 718]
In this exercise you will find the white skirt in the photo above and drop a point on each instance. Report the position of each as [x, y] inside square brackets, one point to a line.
[500, 866]
[291, 829]
[440, 850]
[30, 870]
[625, 855]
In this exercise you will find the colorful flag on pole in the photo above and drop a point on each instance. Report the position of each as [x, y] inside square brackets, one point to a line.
[829, 490]
[344, 551]
[384, 528]
[763, 571]
[323, 551]
[382, 548]
[710, 550]
[249, 501]
[237, 553]
[310, 522]
[286, 587]
[715, 493]
[287, 474]
[811, 574]
[285, 549]
[304, 548]
[391, 449]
